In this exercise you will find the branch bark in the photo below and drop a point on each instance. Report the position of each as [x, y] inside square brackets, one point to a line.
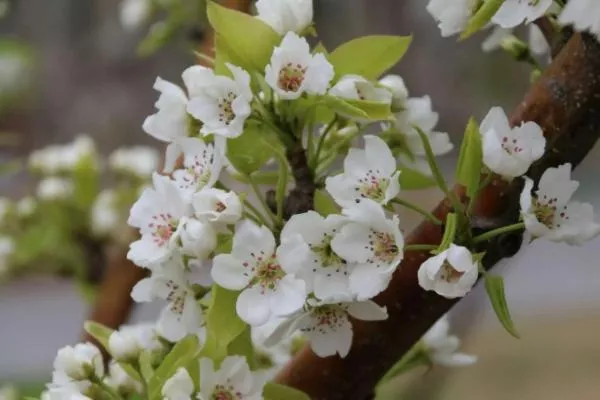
[565, 101]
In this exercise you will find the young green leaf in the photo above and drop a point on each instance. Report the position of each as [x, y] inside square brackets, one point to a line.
[369, 56]
[324, 204]
[468, 170]
[494, 286]
[99, 332]
[247, 38]
[359, 109]
[243, 346]
[146, 365]
[449, 232]
[411, 179]
[248, 153]
[481, 17]
[276, 391]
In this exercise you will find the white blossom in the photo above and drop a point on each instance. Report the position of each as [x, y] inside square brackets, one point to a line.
[63, 158]
[202, 164]
[442, 347]
[61, 392]
[536, 40]
[451, 274]
[171, 121]
[128, 342]
[452, 15]
[368, 174]
[179, 387]
[286, 15]
[217, 206]
[54, 188]
[584, 15]
[552, 215]
[81, 362]
[514, 12]
[508, 151]
[220, 102]
[133, 13]
[395, 84]
[140, 161]
[198, 239]
[374, 243]
[278, 354]
[233, 380]
[266, 277]
[355, 87]
[327, 326]
[119, 380]
[105, 218]
[293, 70]
[157, 213]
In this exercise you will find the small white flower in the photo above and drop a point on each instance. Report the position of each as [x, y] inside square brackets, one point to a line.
[514, 12]
[452, 15]
[451, 274]
[584, 15]
[368, 174]
[217, 206]
[442, 347]
[120, 380]
[264, 275]
[506, 151]
[157, 213]
[374, 243]
[81, 362]
[294, 71]
[325, 272]
[286, 15]
[54, 188]
[172, 282]
[171, 121]
[179, 387]
[128, 342]
[198, 239]
[551, 213]
[105, 217]
[64, 392]
[141, 161]
[536, 40]
[221, 103]
[63, 158]
[233, 380]
[395, 84]
[327, 326]
[25, 207]
[202, 164]
[355, 87]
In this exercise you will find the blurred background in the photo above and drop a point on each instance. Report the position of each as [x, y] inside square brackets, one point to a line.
[73, 66]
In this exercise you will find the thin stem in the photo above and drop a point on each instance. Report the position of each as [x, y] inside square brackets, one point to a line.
[311, 135]
[417, 209]
[420, 247]
[500, 231]
[261, 199]
[315, 160]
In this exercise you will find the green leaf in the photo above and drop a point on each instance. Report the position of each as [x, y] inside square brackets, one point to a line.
[324, 204]
[369, 56]
[282, 184]
[481, 17]
[182, 353]
[494, 286]
[411, 179]
[248, 40]
[248, 153]
[449, 232]
[223, 325]
[99, 332]
[415, 357]
[359, 109]
[275, 391]
[146, 368]
[243, 346]
[468, 170]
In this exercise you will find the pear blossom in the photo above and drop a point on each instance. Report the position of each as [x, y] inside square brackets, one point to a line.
[451, 274]
[265, 276]
[584, 15]
[54, 188]
[140, 161]
[452, 16]
[105, 217]
[514, 12]
[442, 347]
[81, 362]
[374, 243]
[220, 102]
[128, 342]
[178, 387]
[233, 380]
[64, 392]
[198, 239]
[293, 70]
[368, 174]
[119, 380]
[217, 206]
[508, 151]
[325, 272]
[395, 84]
[536, 40]
[274, 357]
[171, 120]
[552, 215]
[202, 164]
[327, 326]
[157, 213]
[355, 87]
[286, 15]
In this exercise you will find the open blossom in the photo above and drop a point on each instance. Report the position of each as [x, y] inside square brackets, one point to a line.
[374, 243]
[172, 282]
[202, 164]
[157, 214]
[451, 274]
[514, 12]
[178, 387]
[368, 174]
[452, 15]
[171, 120]
[217, 206]
[293, 70]
[129, 341]
[551, 213]
[266, 277]
[508, 151]
[355, 87]
[81, 362]
[198, 239]
[327, 326]
[286, 15]
[233, 380]
[395, 84]
[325, 272]
[140, 161]
[119, 380]
[220, 102]
[584, 15]
[536, 40]
[442, 347]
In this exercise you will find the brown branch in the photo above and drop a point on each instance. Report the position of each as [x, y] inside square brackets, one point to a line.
[565, 101]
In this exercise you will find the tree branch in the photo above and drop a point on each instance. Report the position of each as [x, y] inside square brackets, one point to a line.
[565, 101]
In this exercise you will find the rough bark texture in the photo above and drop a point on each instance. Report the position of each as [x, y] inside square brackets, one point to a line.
[565, 101]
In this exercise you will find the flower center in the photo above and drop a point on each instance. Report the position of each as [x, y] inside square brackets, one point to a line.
[325, 319]
[511, 146]
[197, 172]
[449, 274]
[327, 257]
[163, 226]
[226, 114]
[223, 392]
[291, 77]
[373, 186]
[545, 210]
[220, 206]
[383, 245]
[266, 271]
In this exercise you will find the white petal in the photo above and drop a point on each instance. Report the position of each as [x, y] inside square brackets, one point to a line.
[289, 296]
[367, 311]
[229, 272]
[253, 307]
[367, 281]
